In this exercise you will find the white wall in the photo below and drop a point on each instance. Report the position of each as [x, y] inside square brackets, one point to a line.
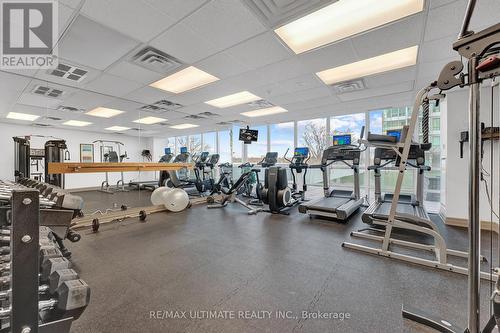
[456, 168]
[133, 147]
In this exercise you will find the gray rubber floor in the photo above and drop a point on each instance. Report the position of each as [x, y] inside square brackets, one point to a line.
[223, 259]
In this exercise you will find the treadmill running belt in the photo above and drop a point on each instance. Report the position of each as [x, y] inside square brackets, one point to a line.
[327, 204]
[384, 209]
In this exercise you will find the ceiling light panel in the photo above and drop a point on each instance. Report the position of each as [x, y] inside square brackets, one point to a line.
[184, 126]
[184, 80]
[264, 112]
[22, 116]
[234, 99]
[343, 19]
[379, 64]
[149, 120]
[104, 112]
[77, 123]
[117, 128]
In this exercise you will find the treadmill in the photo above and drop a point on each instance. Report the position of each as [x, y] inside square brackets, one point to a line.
[166, 176]
[410, 207]
[152, 184]
[337, 204]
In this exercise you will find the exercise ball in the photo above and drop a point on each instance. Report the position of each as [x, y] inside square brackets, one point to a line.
[157, 195]
[175, 200]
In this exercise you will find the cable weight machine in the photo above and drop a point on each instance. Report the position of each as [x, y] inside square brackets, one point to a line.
[481, 49]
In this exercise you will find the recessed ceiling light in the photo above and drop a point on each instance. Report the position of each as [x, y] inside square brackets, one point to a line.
[379, 64]
[104, 112]
[264, 112]
[184, 126]
[184, 80]
[117, 128]
[22, 116]
[342, 19]
[149, 120]
[234, 99]
[77, 123]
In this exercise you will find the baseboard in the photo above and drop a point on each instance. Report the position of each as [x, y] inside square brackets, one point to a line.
[83, 189]
[464, 223]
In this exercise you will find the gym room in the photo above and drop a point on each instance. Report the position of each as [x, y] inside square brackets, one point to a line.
[249, 166]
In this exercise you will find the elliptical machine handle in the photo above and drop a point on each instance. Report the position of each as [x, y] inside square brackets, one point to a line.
[284, 156]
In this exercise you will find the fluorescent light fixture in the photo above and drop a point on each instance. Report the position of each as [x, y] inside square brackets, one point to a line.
[342, 19]
[104, 112]
[234, 99]
[22, 116]
[149, 120]
[184, 126]
[77, 123]
[117, 128]
[379, 64]
[184, 80]
[264, 112]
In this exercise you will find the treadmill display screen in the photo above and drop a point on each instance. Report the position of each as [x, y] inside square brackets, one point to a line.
[168, 151]
[184, 150]
[301, 152]
[342, 140]
[396, 133]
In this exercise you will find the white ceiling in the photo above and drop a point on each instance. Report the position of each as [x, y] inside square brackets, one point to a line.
[233, 40]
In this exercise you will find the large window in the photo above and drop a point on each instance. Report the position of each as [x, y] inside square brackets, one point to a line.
[282, 138]
[236, 145]
[341, 174]
[257, 150]
[225, 146]
[195, 144]
[313, 134]
[181, 141]
[210, 142]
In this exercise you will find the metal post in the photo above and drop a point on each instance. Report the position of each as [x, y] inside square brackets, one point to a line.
[474, 180]
[468, 14]
[25, 261]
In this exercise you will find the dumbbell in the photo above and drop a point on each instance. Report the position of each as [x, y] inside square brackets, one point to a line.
[55, 281]
[71, 295]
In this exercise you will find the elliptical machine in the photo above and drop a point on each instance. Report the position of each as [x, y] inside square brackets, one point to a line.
[276, 192]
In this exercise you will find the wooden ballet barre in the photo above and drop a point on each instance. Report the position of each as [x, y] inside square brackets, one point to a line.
[59, 168]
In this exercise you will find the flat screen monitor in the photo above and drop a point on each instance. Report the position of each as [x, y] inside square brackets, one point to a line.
[342, 140]
[168, 151]
[396, 133]
[301, 152]
[184, 150]
[248, 135]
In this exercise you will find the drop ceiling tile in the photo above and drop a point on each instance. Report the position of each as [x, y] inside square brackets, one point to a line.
[487, 13]
[63, 15]
[330, 56]
[86, 100]
[439, 3]
[445, 20]
[283, 70]
[137, 18]
[300, 96]
[379, 91]
[183, 43]
[224, 23]
[30, 99]
[70, 3]
[390, 78]
[135, 73]
[177, 8]
[260, 51]
[392, 37]
[94, 45]
[112, 85]
[438, 49]
[148, 95]
[223, 65]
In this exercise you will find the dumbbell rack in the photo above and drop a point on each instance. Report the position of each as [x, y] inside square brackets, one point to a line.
[25, 265]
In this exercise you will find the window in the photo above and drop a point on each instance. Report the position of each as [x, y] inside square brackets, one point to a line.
[237, 145]
[312, 134]
[341, 174]
[210, 142]
[435, 124]
[195, 143]
[257, 150]
[181, 141]
[170, 143]
[282, 138]
[225, 146]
